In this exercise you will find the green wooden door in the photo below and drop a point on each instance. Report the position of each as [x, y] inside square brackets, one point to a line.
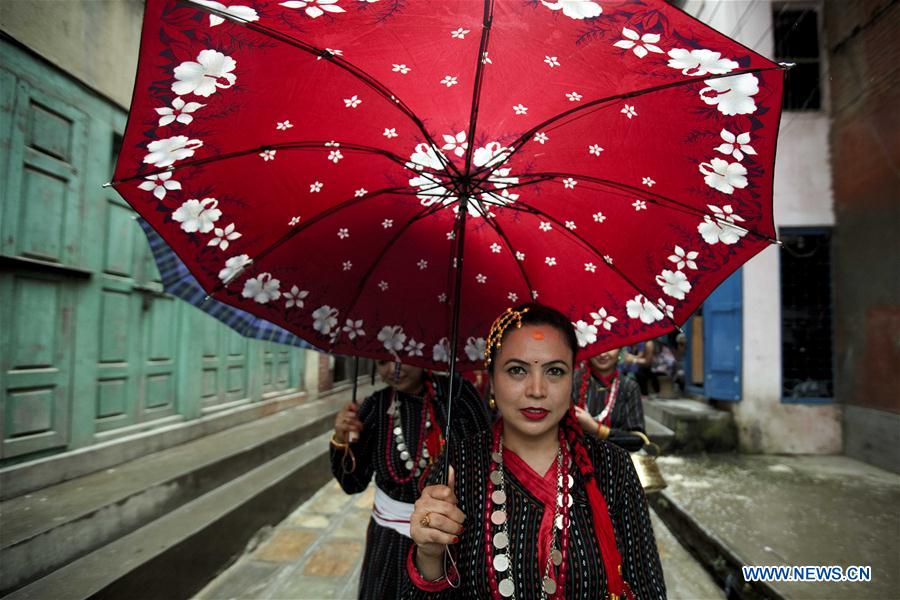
[41, 253]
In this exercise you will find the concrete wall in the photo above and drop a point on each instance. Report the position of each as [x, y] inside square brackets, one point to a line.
[864, 53]
[803, 197]
[95, 41]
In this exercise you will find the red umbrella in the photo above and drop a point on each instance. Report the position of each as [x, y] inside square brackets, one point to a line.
[307, 160]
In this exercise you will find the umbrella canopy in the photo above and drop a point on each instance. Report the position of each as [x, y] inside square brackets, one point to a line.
[308, 159]
[178, 281]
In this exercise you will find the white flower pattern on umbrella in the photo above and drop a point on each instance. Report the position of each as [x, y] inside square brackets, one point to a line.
[481, 278]
[262, 289]
[629, 111]
[550, 260]
[551, 61]
[575, 9]
[603, 319]
[720, 226]
[541, 138]
[422, 264]
[441, 351]
[353, 329]
[400, 68]
[569, 183]
[513, 297]
[387, 223]
[570, 225]
[392, 337]
[573, 96]
[390, 133]
[160, 184]
[163, 153]
[347, 265]
[295, 297]
[641, 45]
[294, 221]
[520, 109]
[414, 348]
[383, 285]
[449, 80]
[459, 34]
[241, 14]
[665, 308]
[585, 333]
[456, 143]
[343, 233]
[283, 125]
[335, 156]
[352, 101]
[683, 258]
[674, 283]
[267, 155]
[179, 111]
[212, 71]
[590, 267]
[233, 267]
[595, 149]
[641, 308]
[314, 8]
[197, 215]
[736, 145]
[648, 181]
[520, 256]
[315, 186]
[325, 318]
[496, 248]
[700, 62]
[360, 193]
[732, 95]
[724, 176]
[599, 217]
[545, 226]
[639, 205]
[224, 236]
[475, 348]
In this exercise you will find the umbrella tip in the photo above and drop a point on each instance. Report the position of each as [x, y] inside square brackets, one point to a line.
[107, 184]
[787, 66]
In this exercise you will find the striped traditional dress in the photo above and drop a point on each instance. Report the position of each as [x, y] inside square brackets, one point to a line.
[586, 578]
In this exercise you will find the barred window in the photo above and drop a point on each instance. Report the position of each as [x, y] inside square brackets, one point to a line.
[797, 41]
[806, 314]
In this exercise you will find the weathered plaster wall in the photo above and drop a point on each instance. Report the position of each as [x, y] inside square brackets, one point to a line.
[95, 41]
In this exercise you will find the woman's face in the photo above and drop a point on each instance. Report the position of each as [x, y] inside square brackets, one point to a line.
[532, 379]
[409, 381]
[605, 362]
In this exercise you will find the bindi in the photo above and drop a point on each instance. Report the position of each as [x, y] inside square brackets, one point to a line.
[538, 335]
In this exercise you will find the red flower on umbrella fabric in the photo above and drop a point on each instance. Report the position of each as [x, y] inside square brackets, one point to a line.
[614, 159]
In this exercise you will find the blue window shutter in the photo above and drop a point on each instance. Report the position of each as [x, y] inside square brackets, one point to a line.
[723, 340]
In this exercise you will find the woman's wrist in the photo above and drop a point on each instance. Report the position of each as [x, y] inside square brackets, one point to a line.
[431, 567]
[338, 441]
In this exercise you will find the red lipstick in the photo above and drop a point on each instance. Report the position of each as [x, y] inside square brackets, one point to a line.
[534, 413]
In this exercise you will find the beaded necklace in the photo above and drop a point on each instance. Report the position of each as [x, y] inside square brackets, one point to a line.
[413, 460]
[497, 543]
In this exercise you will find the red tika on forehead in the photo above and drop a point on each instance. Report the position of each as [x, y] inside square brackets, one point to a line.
[538, 334]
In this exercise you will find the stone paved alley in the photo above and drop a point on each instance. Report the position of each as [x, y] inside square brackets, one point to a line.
[316, 552]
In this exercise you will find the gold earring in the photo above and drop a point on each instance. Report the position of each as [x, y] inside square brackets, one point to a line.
[492, 404]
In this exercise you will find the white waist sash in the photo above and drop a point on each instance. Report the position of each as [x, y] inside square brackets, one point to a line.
[391, 513]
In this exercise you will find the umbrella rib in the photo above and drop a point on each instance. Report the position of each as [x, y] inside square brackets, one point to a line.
[480, 61]
[425, 212]
[526, 137]
[338, 61]
[656, 199]
[493, 223]
[533, 210]
[282, 146]
[312, 221]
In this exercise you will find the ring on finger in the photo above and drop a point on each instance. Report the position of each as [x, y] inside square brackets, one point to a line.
[426, 520]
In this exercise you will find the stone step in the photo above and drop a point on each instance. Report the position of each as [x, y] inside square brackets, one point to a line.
[696, 426]
[659, 434]
[180, 552]
[49, 528]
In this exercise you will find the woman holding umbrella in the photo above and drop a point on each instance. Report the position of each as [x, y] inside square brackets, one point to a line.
[534, 509]
[394, 436]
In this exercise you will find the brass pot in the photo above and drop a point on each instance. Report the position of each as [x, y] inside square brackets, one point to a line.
[646, 467]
